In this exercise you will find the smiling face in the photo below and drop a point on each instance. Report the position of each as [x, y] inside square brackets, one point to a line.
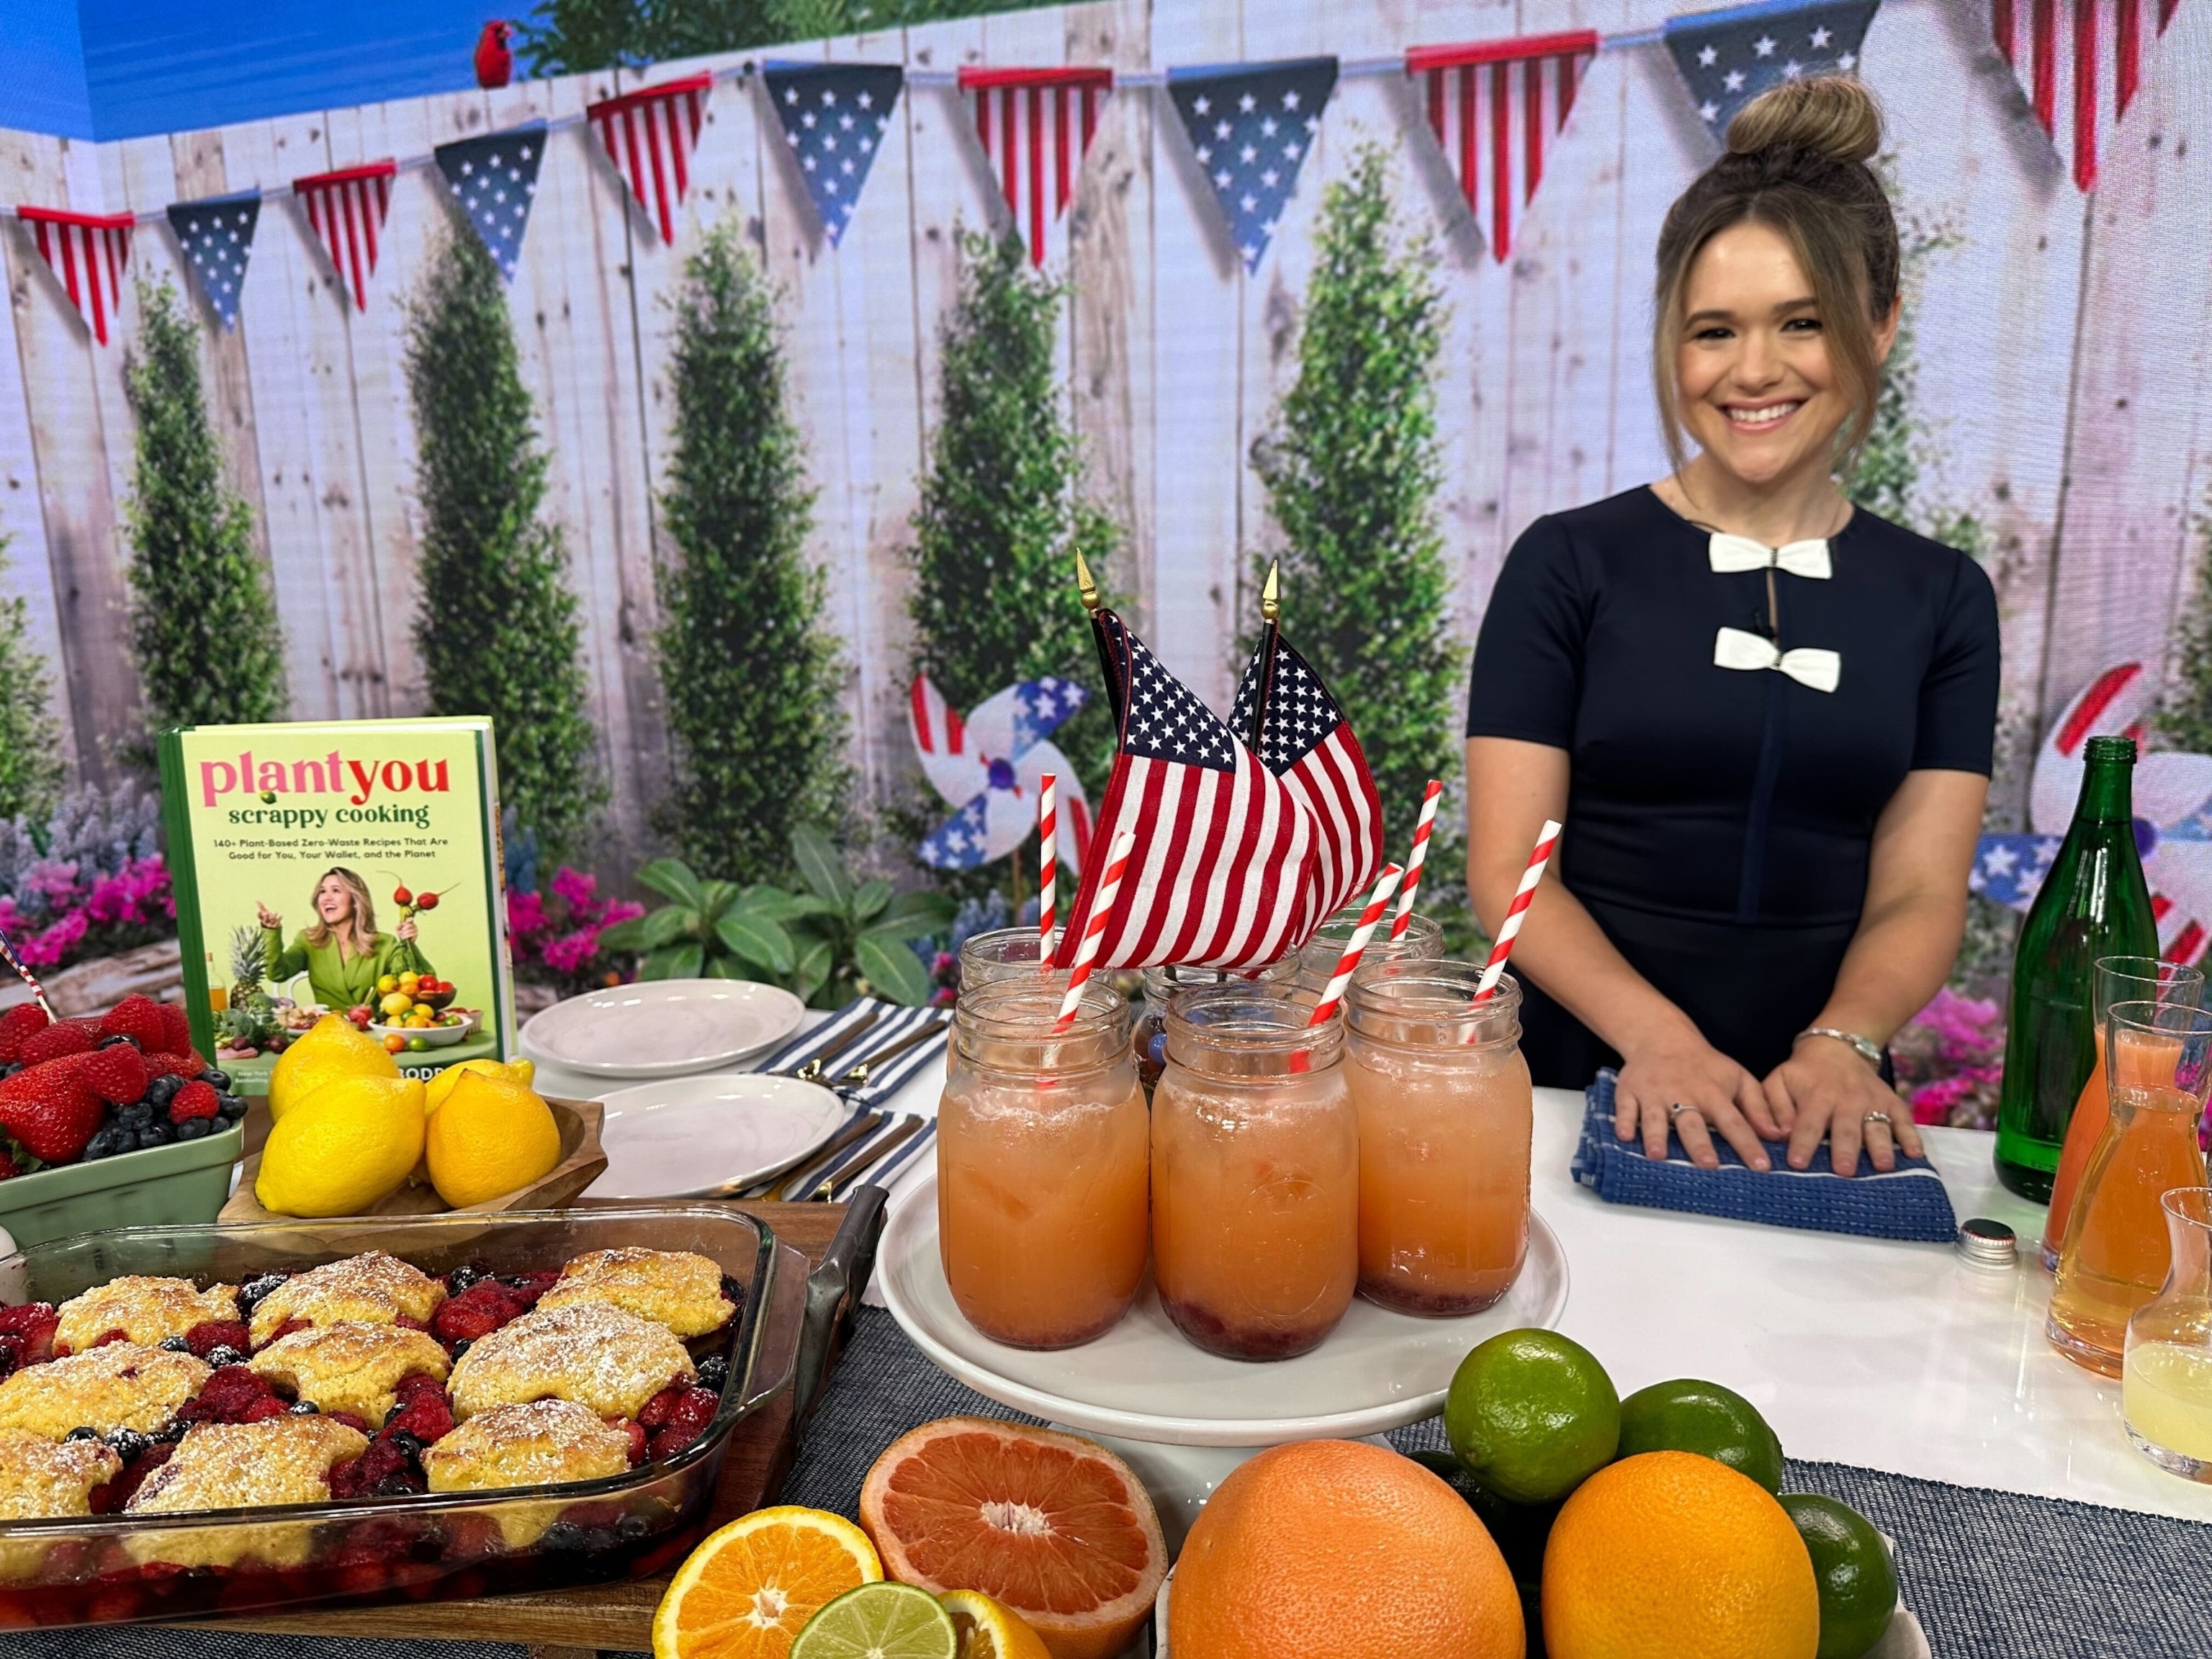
[1753, 381]
[333, 902]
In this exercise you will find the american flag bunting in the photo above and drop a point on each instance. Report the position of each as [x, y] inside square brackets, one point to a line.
[1036, 127]
[1252, 126]
[86, 253]
[1306, 741]
[1490, 104]
[1224, 866]
[216, 235]
[346, 211]
[1726, 58]
[648, 135]
[2080, 63]
[493, 180]
[835, 118]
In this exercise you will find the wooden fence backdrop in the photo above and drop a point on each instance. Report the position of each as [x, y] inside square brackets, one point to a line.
[2064, 373]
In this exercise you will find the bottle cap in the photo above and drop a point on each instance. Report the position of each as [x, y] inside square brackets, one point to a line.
[1988, 1243]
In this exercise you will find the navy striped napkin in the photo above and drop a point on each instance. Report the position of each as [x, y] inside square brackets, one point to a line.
[893, 1022]
[1908, 1203]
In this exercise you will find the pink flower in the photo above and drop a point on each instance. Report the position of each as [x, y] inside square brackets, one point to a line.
[46, 949]
[525, 914]
[569, 952]
[574, 888]
[1932, 1102]
[619, 910]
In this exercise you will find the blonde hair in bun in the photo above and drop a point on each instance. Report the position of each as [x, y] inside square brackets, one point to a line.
[1796, 162]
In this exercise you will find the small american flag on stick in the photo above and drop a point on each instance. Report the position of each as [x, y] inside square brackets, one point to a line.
[1489, 105]
[649, 135]
[1036, 126]
[87, 252]
[2080, 63]
[346, 210]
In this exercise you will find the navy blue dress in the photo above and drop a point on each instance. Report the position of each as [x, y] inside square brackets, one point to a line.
[1719, 821]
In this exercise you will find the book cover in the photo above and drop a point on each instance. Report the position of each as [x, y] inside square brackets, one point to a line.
[345, 867]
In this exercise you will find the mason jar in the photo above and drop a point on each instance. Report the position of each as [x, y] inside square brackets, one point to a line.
[1423, 940]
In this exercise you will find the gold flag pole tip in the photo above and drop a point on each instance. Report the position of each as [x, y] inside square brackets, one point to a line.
[1084, 584]
[1270, 608]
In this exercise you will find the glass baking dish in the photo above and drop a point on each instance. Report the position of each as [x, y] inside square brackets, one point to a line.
[427, 1547]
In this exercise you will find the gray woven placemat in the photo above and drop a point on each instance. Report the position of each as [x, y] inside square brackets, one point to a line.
[1991, 1575]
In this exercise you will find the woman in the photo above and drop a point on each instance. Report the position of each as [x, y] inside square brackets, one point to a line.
[1766, 717]
[343, 953]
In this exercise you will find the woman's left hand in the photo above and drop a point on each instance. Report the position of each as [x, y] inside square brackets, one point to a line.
[1826, 1090]
[405, 931]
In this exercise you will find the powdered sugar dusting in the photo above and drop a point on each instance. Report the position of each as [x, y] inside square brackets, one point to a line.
[591, 1352]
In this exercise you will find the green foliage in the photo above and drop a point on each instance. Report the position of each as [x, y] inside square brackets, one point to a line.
[1352, 467]
[563, 36]
[2184, 719]
[833, 940]
[203, 629]
[750, 673]
[495, 620]
[1000, 514]
[30, 739]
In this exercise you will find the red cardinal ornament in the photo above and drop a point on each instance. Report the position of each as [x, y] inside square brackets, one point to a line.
[495, 63]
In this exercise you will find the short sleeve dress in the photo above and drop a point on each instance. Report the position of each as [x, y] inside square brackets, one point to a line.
[1720, 819]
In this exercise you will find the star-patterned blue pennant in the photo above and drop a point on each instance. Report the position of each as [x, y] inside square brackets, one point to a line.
[216, 235]
[1253, 126]
[835, 116]
[1726, 58]
[493, 180]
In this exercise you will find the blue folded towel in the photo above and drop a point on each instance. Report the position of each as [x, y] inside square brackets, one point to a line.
[1908, 1203]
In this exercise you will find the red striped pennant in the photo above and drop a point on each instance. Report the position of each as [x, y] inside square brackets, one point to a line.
[649, 135]
[87, 252]
[1036, 126]
[1488, 109]
[2063, 52]
[346, 210]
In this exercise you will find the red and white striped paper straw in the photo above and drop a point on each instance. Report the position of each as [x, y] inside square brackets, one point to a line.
[1355, 946]
[10, 959]
[1523, 896]
[1047, 864]
[1416, 858]
[1094, 928]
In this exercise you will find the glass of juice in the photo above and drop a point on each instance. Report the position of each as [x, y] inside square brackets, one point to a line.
[2158, 1061]
[1443, 1099]
[1042, 1156]
[1002, 953]
[2165, 1385]
[1423, 940]
[2113, 979]
[1256, 1172]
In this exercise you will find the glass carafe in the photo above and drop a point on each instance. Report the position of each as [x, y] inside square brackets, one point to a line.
[1041, 1164]
[1256, 1172]
[2158, 1061]
[2166, 1389]
[2117, 979]
[1445, 1117]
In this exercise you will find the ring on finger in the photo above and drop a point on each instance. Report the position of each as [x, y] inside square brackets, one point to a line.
[1870, 1119]
[1680, 1106]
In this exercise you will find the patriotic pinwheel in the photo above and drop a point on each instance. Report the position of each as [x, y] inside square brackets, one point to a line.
[988, 765]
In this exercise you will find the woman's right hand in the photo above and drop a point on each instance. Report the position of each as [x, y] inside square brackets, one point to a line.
[269, 917]
[1714, 1093]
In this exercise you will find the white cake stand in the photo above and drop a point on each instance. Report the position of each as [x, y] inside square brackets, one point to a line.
[1182, 1418]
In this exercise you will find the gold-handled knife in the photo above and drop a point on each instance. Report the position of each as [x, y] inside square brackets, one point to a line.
[858, 1077]
[841, 1177]
[826, 1157]
[812, 1069]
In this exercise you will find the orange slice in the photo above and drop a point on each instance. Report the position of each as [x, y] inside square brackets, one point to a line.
[748, 1589]
[991, 1630]
[1053, 1527]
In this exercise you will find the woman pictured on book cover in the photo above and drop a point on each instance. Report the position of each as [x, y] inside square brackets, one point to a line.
[341, 953]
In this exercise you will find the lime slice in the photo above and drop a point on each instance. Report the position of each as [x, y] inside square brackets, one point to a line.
[879, 1622]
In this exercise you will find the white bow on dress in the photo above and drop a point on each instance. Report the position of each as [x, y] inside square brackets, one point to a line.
[1734, 648]
[1730, 554]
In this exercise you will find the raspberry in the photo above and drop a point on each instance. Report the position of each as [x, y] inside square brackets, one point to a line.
[194, 1100]
[371, 1469]
[117, 1075]
[176, 1030]
[637, 1440]
[416, 1383]
[134, 1474]
[655, 1411]
[11, 1356]
[106, 1337]
[19, 1023]
[526, 1288]
[477, 1312]
[229, 1392]
[67, 1036]
[287, 1329]
[350, 1420]
[210, 1334]
[166, 1065]
[32, 1324]
[693, 1411]
[426, 1417]
[139, 1019]
[261, 1410]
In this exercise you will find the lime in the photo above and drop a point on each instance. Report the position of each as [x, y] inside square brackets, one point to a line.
[1532, 1415]
[1704, 1418]
[1852, 1566]
[879, 1622]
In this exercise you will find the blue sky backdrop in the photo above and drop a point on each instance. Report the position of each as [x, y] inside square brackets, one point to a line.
[124, 69]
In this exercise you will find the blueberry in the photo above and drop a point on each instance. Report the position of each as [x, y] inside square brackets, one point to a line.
[224, 1356]
[163, 1089]
[170, 1432]
[405, 1443]
[109, 1042]
[175, 1345]
[127, 1443]
[462, 1347]
[159, 1132]
[517, 1282]
[304, 1408]
[232, 1106]
[465, 1277]
[632, 1527]
[563, 1535]
[253, 1290]
[215, 1077]
[192, 1129]
[714, 1373]
[733, 1290]
[107, 1142]
[82, 1432]
[401, 1484]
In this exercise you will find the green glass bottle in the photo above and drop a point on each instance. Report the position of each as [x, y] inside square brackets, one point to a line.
[2093, 903]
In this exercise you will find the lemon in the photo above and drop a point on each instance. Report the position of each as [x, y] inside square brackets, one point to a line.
[334, 1048]
[491, 1136]
[513, 1070]
[343, 1147]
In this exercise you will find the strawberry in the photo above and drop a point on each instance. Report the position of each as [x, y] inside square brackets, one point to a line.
[176, 1030]
[139, 1019]
[193, 1100]
[20, 1022]
[476, 1312]
[67, 1036]
[117, 1074]
[49, 1109]
[158, 1064]
[32, 1324]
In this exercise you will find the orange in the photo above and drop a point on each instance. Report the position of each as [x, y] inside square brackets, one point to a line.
[1343, 1548]
[1666, 1553]
[746, 1591]
[991, 1630]
[1053, 1526]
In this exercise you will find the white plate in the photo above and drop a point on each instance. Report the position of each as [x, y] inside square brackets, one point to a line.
[683, 1137]
[663, 1028]
[1142, 1381]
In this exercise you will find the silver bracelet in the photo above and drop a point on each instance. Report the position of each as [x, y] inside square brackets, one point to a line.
[1866, 1048]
